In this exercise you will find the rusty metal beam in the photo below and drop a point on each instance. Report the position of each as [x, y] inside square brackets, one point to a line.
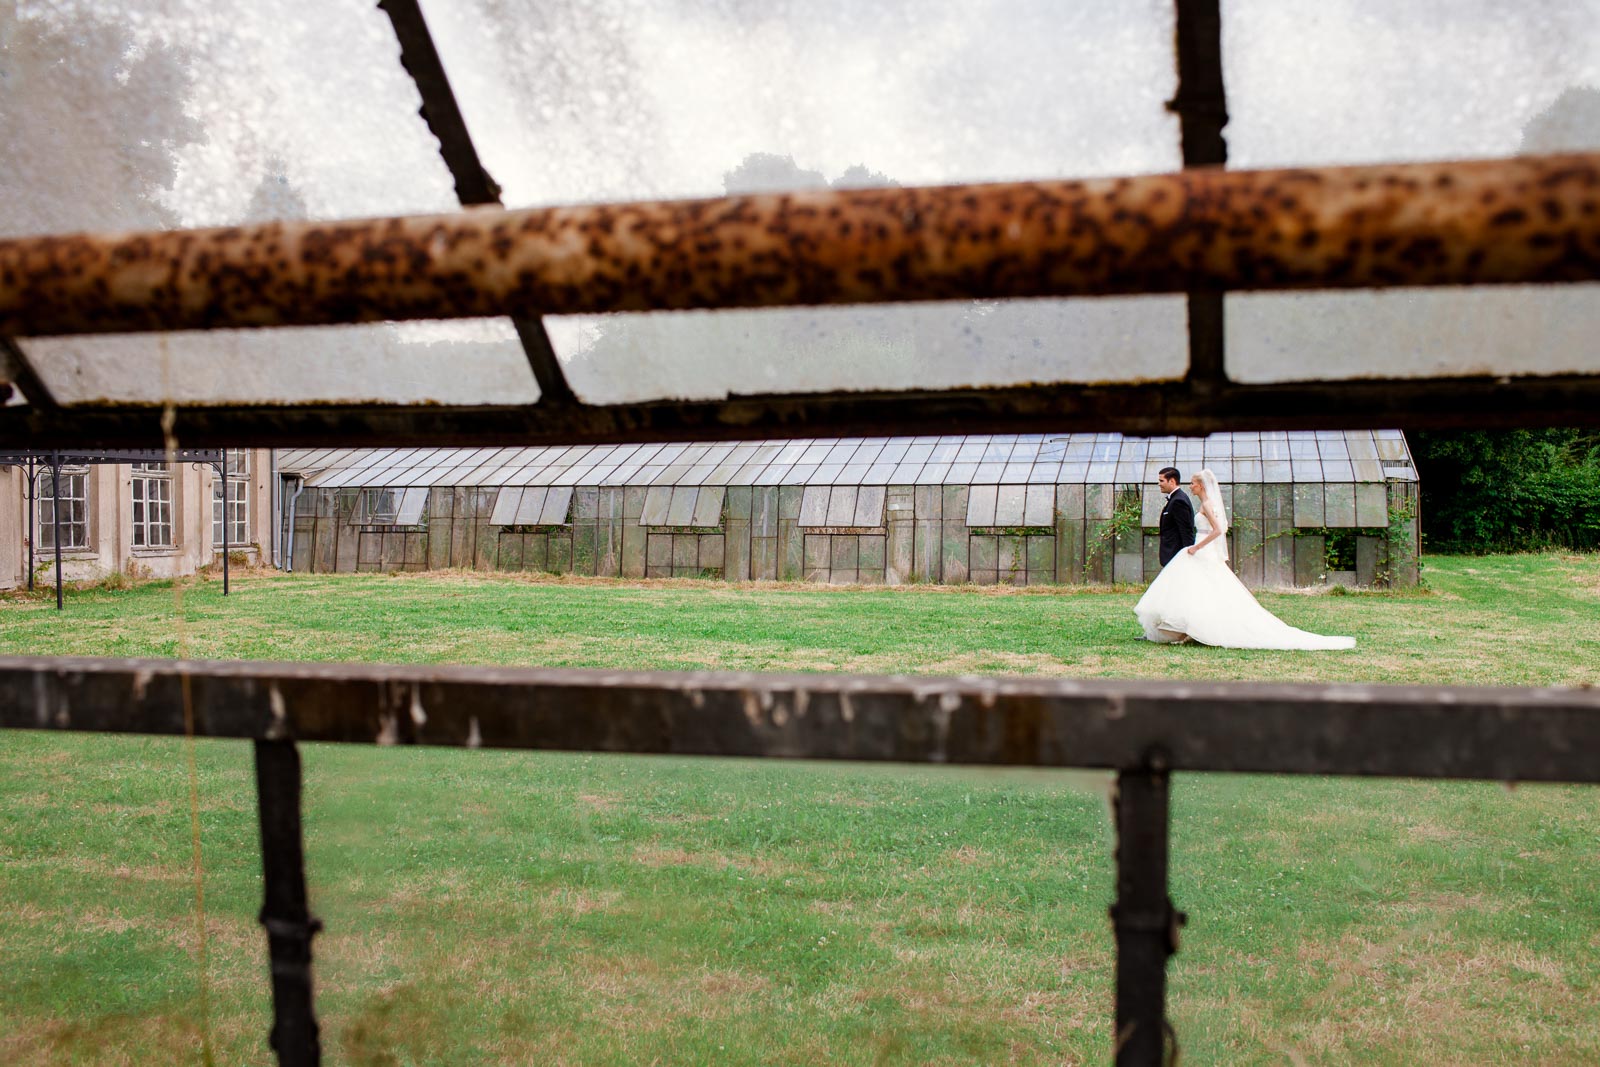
[1496, 221]
[1178, 407]
[474, 186]
[1409, 731]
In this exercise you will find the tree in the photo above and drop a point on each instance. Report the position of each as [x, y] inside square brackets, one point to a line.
[91, 125]
[1518, 489]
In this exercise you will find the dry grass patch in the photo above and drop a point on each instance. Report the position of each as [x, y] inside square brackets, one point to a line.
[567, 901]
[600, 803]
[657, 856]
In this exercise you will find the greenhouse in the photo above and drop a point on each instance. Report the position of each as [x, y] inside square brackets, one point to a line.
[1308, 508]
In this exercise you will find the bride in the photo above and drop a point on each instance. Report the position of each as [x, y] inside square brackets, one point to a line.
[1197, 596]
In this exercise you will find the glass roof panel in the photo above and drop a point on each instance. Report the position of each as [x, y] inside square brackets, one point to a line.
[143, 114]
[701, 100]
[1349, 82]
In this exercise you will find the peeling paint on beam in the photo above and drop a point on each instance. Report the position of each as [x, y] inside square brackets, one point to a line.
[1495, 221]
[1409, 731]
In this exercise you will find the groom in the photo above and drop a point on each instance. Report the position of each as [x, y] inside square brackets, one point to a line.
[1177, 516]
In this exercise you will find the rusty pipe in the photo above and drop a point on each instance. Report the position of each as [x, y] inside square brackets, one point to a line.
[1531, 219]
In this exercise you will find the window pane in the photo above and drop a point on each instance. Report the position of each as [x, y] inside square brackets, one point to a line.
[140, 114]
[1334, 83]
[702, 100]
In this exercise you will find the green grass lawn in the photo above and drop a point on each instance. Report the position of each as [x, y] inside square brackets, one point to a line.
[544, 908]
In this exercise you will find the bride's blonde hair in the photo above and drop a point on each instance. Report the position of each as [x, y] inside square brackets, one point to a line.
[1219, 511]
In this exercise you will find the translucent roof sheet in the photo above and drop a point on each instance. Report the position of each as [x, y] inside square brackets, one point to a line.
[1337, 456]
[1345, 82]
[138, 114]
[699, 100]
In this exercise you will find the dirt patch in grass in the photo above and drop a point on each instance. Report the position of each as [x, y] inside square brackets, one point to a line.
[88, 866]
[167, 1038]
[1430, 831]
[570, 902]
[967, 855]
[599, 802]
[657, 856]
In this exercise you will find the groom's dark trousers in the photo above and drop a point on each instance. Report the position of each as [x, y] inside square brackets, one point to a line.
[1177, 525]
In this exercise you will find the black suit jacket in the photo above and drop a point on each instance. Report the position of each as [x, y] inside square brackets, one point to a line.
[1177, 526]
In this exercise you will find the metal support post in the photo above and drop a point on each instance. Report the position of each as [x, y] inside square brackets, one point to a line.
[225, 518]
[1143, 918]
[284, 913]
[55, 518]
[31, 535]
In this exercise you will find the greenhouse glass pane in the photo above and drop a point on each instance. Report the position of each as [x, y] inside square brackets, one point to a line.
[657, 502]
[708, 508]
[842, 505]
[1045, 472]
[1010, 505]
[557, 505]
[981, 501]
[905, 474]
[505, 507]
[531, 507]
[799, 474]
[1015, 473]
[814, 506]
[1040, 509]
[870, 501]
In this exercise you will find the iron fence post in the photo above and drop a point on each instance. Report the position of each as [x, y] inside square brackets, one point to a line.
[1143, 918]
[55, 518]
[284, 911]
[225, 518]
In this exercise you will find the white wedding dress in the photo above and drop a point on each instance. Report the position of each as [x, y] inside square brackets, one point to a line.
[1200, 597]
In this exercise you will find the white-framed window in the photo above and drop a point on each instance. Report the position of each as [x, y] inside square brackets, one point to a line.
[238, 500]
[152, 505]
[74, 508]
